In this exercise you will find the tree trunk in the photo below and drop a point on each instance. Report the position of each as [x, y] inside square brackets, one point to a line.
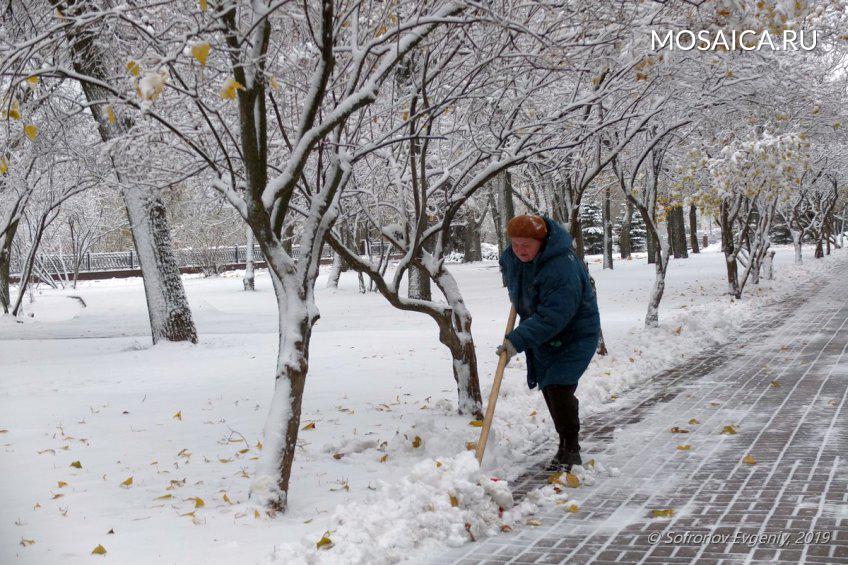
[796, 243]
[455, 333]
[5, 265]
[270, 485]
[505, 206]
[661, 268]
[419, 283]
[727, 246]
[768, 265]
[167, 305]
[577, 233]
[471, 244]
[607, 225]
[693, 229]
[249, 283]
[651, 246]
[624, 237]
[678, 232]
[170, 316]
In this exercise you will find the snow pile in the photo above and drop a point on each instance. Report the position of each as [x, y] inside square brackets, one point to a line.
[446, 501]
[489, 253]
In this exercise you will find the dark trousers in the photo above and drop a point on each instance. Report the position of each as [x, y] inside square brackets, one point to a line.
[563, 406]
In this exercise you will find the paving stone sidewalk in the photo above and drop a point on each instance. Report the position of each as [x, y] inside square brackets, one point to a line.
[782, 384]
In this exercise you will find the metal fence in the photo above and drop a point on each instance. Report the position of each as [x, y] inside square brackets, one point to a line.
[212, 259]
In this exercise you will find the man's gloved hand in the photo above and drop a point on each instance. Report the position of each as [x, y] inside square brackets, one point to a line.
[508, 347]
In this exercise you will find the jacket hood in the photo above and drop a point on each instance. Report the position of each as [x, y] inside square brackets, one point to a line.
[557, 243]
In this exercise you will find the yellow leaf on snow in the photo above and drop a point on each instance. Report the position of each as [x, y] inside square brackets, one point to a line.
[27, 542]
[676, 430]
[110, 115]
[178, 415]
[476, 423]
[76, 465]
[31, 132]
[198, 502]
[470, 446]
[749, 460]
[99, 550]
[309, 426]
[32, 80]
[200, 51]
[775, 384]
[667, 513]
[454, 501]
[165, 497]
[227, 499]
[230, 89]
[686, 447]
[693, 422]
[728, 430]
[127, 482]
[325, 542]
[571, 480]
[384, 458]
[416, 442]
[533, 522]
[4, 168]
[62, 484]
[203, 5]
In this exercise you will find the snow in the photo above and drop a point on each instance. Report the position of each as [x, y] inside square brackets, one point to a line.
[84, 384]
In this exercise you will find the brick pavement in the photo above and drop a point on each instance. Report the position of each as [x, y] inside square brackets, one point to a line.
[795, 429]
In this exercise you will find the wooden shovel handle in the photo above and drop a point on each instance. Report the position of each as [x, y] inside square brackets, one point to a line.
[493, 395]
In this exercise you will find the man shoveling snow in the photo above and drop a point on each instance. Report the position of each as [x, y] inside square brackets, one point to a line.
[560, 325]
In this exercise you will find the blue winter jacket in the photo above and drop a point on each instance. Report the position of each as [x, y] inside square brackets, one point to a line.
[560, 325]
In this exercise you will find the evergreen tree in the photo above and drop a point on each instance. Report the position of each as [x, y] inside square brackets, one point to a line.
[592, 225]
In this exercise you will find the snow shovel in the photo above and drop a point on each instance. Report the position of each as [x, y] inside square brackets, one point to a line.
[493, 395]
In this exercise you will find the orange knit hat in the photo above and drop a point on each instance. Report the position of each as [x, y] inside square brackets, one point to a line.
[527, 226]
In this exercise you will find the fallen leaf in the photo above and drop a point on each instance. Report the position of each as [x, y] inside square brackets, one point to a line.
[4, 431]
[686, 447]
[676, 430]
[384, 458]
[533, 522]
[454, 501]
[309, 426]
[256, 514]
[325, 542]
[416, 442]
[178, 415]
[243, 451]
[227, 499]
[99, 550]
[470, 446]
[338, 456]
[76, 464]
[31, 131]
[506, 528]
[165, 497]
[775, 384]
[749, 460]
[667, 513]
[33, 80]
[533, 413]
[476, 423]
[111, 531]
[198, 502]
[110, 116]
[573, 508]
[62, 484]
[27, 542]
[127, 482]
[728, 430]
[57, 495]
[571, 480]
[693, 422]
[259, 445]
[202, 5]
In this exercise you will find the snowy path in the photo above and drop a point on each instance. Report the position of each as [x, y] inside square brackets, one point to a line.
[782, 385]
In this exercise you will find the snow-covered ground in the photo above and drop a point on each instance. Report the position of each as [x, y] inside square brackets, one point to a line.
[148, 451]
